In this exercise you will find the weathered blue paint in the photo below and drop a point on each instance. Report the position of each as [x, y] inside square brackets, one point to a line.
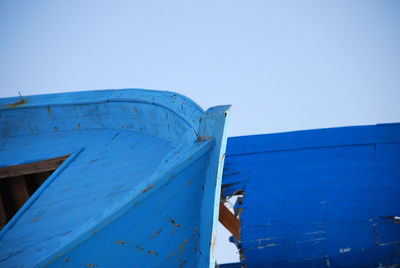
[319, 198]
[134, 191]
[212, 125]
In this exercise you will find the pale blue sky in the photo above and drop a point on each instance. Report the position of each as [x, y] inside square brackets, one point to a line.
[284, 65]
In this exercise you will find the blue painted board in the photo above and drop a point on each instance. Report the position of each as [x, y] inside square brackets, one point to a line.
[318, 198]
[144, 164]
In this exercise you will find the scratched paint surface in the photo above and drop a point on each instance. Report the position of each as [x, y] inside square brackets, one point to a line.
[132, 195]
[320, 198]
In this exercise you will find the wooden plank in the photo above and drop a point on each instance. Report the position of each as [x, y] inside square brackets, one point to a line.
[36, 167]
[229, 220]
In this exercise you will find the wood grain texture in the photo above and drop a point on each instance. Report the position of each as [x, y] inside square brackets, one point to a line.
[229, 220]
[29, 168]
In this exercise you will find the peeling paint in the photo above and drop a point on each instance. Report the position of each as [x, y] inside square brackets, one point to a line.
[344, 250]
[328, 263]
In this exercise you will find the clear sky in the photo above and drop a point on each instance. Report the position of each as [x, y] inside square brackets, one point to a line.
[284, 65]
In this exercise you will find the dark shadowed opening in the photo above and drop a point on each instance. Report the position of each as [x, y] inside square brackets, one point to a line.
[19, 182]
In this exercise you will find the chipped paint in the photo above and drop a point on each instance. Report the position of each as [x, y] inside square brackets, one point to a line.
[310, 191]
[328, 263]
[344, 250]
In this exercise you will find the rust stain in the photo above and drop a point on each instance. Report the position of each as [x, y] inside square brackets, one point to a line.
[145, 190]
[182, 247]
[36, 219]
[200, 138]
[152, 252]
[48, 110]
[18, 103]
[79, 126]
[136, 111]
[32, 130]
[122, 242]
[15, 104]
[157, 233]
[91, 265]
[171, 220]
[67, 259]
[139, 248]
[56, 129]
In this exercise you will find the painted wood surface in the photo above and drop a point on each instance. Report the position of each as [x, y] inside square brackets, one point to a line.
[133, 190]
[319, 198]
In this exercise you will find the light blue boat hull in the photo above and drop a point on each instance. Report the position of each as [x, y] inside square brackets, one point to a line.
[319, 198]
[140, 187]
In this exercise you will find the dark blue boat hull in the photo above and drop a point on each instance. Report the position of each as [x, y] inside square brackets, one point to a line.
[320, 198]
